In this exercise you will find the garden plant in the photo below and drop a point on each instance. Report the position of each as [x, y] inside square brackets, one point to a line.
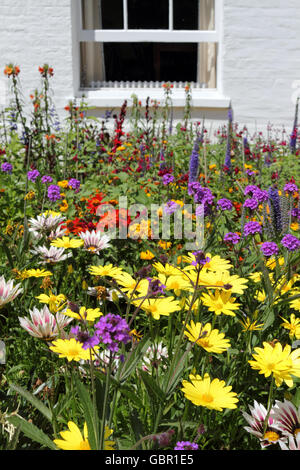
[149, 283]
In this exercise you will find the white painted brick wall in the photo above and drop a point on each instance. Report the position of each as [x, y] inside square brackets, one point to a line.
[261, 59]
[34, 32]
[260, 54]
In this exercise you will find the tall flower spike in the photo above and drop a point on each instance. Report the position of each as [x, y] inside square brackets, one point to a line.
[194, 161]
[227, 162]
[294, 134]
[274, 204]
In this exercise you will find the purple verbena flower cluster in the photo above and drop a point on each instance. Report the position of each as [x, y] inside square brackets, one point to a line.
[170, 207]
[290, 242]
[32, 175]
[6, 167]
[53, 192]
[112, 330]
[258, 194]
[225, 204]
[269, 249]
[291, 188]
[46, 179]
[251, 204]
[202, 195]
[186, 445]
[232, 237]
[74, 183]
[251, 228]
[167, 179]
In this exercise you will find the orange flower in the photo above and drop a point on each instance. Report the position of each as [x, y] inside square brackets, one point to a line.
[11, 70]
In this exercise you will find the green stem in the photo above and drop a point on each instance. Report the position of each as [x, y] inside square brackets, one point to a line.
[107, 383]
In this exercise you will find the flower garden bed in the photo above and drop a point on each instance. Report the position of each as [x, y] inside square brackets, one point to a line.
[149, 288]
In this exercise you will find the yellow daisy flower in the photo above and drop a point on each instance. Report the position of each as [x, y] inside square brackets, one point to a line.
[55, 302]
[88, 314]
[167, 269]
[224, 280]
[215, 263]
[71, 349]
[107, 270]
[129, 284]
[271, 262]
[158, 307]
[35, 273]
[220, 302]
[175, 283]
[260, 296]
[211, 340]
[256, 277]
[212, 394]
[74, 440]
[250, 325]
[295, 304]
[293, 326]
[281, 362]
[66, 242]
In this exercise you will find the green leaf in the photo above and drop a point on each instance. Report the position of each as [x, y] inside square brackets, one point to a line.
[32, 432]
[90, 414]
[7, 252]
[154, 391]
[133, 359]
[33, 400]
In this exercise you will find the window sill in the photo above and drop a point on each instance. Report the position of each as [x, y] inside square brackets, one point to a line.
[115, 97]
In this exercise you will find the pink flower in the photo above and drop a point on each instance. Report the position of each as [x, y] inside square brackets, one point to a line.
[8, 291]
[43, 324]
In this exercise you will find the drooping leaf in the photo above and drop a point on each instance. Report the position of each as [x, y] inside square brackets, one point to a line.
[31, 431]
[38, 404]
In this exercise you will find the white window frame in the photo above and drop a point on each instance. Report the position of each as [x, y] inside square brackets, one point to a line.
[119, 91]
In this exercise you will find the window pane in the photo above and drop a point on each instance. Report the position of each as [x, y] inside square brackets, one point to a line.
[148, 62]
[148, 14]
[194, 14]
[102, 14]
